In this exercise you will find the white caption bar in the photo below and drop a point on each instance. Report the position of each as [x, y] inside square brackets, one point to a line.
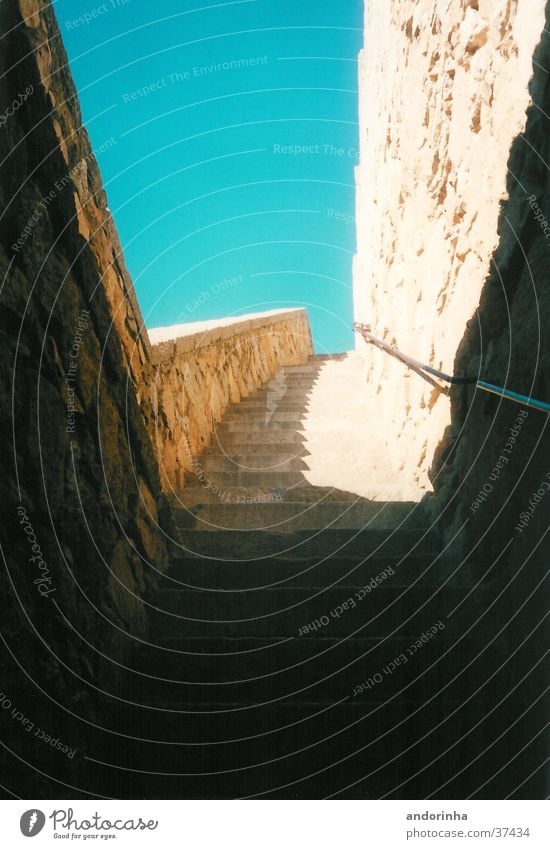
[276, 824]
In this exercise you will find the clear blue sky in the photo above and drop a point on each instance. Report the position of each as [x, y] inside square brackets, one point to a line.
[235, 126]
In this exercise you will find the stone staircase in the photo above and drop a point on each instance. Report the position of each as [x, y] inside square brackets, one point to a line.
[300, 644]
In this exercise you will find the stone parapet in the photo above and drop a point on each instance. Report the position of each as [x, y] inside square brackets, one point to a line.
[201, 368]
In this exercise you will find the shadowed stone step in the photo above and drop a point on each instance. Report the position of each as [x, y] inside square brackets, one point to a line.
[245, 448]
[275, 479]
[304, 407]
[301, 444]
[250, 479]
[312, 719]
[298, 459]
[306, 592]
[325, 383]
[320, 425]
[328, 358]
[289, 394]
[243, 545]
[324, 669]
[223, 488]
[245, 408]
[284, 610]
[425, 570]
[314, 388]
[259, 426]
[228, 437]
[372, 750]
[264, 417]
[225, 659]
[323, 387]
[379, 746]
[289, 516]
[324, 367]
[247, 462]
[328, 368]
[305, 493]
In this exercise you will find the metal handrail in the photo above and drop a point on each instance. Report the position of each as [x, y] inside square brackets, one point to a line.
[425, 371]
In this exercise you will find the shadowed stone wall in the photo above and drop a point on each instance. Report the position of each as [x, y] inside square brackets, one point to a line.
[81, 494]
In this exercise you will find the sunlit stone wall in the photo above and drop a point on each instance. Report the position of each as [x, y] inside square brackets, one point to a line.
[444, 88]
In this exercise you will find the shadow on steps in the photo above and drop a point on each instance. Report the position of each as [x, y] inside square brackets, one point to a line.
[308, 642]
[326, 647]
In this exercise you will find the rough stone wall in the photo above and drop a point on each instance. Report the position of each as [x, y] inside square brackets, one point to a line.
[201, 369]
[443, 94]
[81, 489]
[492, 468]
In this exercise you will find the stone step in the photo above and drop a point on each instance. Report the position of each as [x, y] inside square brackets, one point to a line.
[315, 366]
[224, 462]
[340, 365]
[324, 390]
[304, 406]
[292, 663]
[289, 611]
[217, 449]
[307, 368]
[324, 669]
[288, 517]
[345, 366]
[265, 417]
[321, 381]
[236, 423]
[284, 750]
[189, 497]
[229, 480]
[321, 385]
[253, 545]
[328, 358]
[292, 389]
[274, 442]
[350, 356]
[269, 479]
[281, 461]
[225, 659]
[290, 394]
[351, 569]
[262, 406]
[342, 417]
[238, 435]
[317, 454]
[336, 379]
[305, 427]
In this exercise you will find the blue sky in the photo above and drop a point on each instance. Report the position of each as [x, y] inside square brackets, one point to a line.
[230, 141]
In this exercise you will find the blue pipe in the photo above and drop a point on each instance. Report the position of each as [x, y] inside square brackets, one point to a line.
[422, 368]
[514, 396]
